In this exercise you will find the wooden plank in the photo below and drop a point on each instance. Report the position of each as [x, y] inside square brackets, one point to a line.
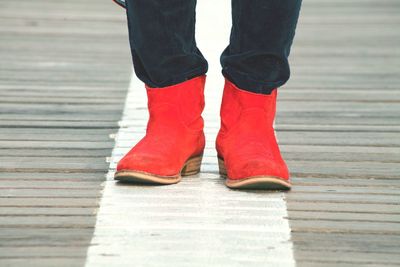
[338, 122]
[32, 202]
[59, 104]
[50, 176]
[341, 209]
[38, 152]
[44, 261]
[45, 211]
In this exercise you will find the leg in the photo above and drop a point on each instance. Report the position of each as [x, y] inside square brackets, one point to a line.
[255, 64]
[262, 33]
[163, 46]
[165, 55]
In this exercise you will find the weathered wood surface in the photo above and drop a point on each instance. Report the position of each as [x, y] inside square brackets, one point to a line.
[64, 71]
[343, 109]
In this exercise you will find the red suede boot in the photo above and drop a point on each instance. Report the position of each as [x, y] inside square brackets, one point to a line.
[248, 154]
[174, 140]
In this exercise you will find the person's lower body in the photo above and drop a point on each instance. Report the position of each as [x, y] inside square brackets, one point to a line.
[255, 64]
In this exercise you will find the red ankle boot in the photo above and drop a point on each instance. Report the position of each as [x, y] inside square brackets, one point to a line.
[174, 140]
[248, 154]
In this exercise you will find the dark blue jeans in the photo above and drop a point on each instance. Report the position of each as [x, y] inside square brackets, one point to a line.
[164, 51]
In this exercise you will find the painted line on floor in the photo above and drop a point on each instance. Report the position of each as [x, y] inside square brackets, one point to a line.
[198, 222]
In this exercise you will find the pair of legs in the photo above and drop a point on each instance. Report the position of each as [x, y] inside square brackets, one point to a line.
[167, 60]
[164, 51]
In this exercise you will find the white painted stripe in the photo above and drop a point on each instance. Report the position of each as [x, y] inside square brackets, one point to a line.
[198, 222]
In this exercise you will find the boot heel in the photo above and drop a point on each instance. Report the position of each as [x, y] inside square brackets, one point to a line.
[192, 166]
[221, 166]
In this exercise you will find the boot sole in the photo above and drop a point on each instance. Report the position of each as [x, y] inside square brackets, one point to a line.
[191, 167]
[255, 182]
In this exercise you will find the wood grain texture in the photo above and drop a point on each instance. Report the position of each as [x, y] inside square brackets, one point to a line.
[339, 121]
[62, 89]
[63, 77]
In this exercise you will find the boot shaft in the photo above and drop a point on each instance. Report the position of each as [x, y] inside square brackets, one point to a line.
[184, 101]
[259, 108]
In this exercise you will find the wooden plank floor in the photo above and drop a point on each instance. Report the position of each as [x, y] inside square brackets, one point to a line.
[64, 71]
[63, 87]
[339, 126]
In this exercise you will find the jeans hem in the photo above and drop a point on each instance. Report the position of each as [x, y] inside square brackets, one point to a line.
[179, 78]
[244, 82]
